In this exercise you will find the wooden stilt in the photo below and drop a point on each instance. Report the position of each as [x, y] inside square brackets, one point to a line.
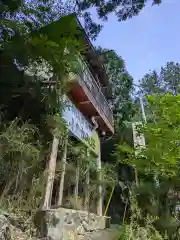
[51, 173]
[99, 175]
[86, 190]
[76, 188]
[61, 185]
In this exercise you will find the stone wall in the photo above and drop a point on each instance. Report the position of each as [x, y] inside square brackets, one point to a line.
[16, 227]
[68, 224]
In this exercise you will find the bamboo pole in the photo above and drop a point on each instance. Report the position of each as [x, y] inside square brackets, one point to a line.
[107, 206]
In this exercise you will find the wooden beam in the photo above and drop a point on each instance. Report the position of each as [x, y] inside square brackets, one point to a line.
[97, 117]
[85, 102]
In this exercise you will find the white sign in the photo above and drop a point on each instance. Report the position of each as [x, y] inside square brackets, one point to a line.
[80, 127]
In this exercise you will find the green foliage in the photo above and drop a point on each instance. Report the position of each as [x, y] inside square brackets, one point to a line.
[162, 136]
[20, 161]
[133, 231]
[121, 84]
[151, 84]
[37, 13]
[39, 57]
[57, 126]
[170, 75]
[34, 66]
[109, 174]
[27, 43]
[82, 155]
[140, 227]
[122, 9]
[158, 165]
[121, 87]
[167, 80]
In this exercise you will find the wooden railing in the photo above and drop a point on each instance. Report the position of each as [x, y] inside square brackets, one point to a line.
[91, 84]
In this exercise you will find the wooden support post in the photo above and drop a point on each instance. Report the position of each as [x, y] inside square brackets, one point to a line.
[99, 175]
[51, 173]
[76, 187]
[61, 185]
[86, 190]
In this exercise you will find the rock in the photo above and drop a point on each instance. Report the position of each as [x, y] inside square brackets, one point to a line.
[5, 233]
[17, 234]
[80, 230]
[77, 221]
[106, 234]
[68, 219]
[86, 226]
[8, 231]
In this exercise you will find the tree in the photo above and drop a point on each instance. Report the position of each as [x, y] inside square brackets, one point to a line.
[161, 134]
[44, 12]
[18, 152]
[122, 9]
[150, 84]
[121, 103]
[170, 75]
[167, 80]
[162, 152]
[120, 83]
[159, 158]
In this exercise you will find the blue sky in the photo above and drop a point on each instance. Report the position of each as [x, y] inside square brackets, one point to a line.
[147, 41]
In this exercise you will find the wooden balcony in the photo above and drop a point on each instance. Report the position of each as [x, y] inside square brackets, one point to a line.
[88, 97]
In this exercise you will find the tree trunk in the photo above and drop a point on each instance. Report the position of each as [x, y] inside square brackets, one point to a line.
[61, 186]
[51, 173]
[76, 188]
